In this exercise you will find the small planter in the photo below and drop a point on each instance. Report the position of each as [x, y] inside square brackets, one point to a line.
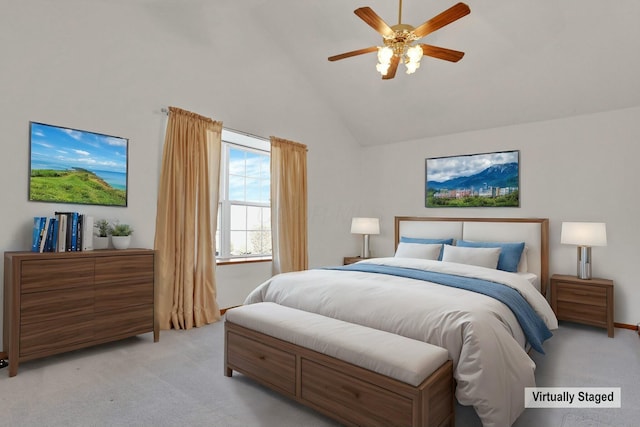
[121, 242]
[100, 242]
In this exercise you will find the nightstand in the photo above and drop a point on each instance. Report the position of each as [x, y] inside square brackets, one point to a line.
[351, 259]
[583, 301]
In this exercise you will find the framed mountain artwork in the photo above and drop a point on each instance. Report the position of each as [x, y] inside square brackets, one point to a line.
[473, 180]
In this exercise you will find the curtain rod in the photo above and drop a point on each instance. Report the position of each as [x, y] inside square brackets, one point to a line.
[165, 111]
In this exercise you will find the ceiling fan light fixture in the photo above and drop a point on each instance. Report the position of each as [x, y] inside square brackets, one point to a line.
[413, 57]
[414, 53]
[399, 40]
[385, 53]
[383, 68]
[412, 67]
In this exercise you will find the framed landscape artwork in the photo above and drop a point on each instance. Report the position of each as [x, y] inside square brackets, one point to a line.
[76, 166]
[473, 180]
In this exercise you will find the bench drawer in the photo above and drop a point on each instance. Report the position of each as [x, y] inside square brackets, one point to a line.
[350, 398]
[276, 368]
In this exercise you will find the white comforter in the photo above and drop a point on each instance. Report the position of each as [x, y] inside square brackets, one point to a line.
[482, 335]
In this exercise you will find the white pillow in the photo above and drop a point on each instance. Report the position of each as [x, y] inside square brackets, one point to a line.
[483, 257]
[418, 250]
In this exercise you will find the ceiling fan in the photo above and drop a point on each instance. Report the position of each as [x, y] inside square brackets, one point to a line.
[399, 40]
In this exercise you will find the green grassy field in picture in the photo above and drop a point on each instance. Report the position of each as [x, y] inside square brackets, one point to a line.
[73, 186]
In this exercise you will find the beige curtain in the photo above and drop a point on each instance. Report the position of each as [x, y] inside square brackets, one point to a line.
[186, 221]
[288, 205]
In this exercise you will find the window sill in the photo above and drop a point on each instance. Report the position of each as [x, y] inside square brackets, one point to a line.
[248, 260]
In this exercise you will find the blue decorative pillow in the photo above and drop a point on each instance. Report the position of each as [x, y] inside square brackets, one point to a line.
[510, 253]
[427, 242]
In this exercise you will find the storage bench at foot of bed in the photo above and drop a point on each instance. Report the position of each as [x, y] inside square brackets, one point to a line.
[340, 389]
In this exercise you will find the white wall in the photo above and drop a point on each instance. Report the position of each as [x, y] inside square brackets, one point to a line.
[579, 169]
[110, 67]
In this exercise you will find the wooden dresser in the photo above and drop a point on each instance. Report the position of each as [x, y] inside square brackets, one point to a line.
[61, 301]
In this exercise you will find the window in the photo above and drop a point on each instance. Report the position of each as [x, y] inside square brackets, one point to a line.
[244, 212]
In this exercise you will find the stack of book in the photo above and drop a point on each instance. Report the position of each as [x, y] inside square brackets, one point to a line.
[64, 232]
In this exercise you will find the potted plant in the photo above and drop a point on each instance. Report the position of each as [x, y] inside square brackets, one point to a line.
[101, 238]
[121, 235]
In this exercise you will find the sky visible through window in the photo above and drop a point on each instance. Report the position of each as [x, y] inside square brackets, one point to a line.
[245, 212]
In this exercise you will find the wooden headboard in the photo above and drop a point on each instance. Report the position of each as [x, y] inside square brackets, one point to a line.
[533, 231]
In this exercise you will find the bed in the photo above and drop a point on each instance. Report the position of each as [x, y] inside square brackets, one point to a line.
[486, 334]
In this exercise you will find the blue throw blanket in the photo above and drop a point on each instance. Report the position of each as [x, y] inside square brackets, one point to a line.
[534, 328]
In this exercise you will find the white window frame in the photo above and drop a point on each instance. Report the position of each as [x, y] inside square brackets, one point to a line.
[233, 138]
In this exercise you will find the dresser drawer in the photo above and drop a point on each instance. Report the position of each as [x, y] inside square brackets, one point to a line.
[123, 322]
[46, 338]
[349, 397]
[263, 362]
[54, 305]
[52, 274]
[116, 296]
[117, 270]
[578, 294]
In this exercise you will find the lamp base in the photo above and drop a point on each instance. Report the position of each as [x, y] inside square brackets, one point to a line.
[365, 246]
[584, 262]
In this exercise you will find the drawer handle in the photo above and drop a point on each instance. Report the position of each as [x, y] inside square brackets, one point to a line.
[355, 393]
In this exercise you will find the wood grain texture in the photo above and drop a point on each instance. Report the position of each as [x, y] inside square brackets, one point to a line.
[353, 53]
[272, 366]
[450, 15]
[42, 274]
[589, 302]
[373, 20]
[63, 301]
[347, 393]
[353, 399]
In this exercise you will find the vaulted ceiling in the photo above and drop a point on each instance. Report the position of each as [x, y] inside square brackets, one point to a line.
[525, 61]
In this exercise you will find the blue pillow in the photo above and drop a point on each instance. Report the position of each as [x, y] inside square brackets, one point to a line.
[427, 242]
[510, 253]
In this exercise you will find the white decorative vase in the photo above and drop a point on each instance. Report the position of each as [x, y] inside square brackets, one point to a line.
[121, 242]
[100, 242]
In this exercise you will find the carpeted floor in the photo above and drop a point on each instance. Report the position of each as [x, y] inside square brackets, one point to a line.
[179, 382]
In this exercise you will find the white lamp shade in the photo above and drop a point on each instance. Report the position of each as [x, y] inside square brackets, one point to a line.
[584, 233]
[365, 226]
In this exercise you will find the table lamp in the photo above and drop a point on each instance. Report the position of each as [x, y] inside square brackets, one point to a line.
[585, 235]
[365, 226]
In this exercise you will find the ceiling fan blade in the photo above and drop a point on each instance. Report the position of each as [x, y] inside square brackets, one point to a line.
[370, 17]
[392, 68]
[353, 53]
[441, 53]
[445, 18]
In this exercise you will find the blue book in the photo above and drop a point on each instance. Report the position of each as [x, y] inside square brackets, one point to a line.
[53, 235]
[38, 224]
[74, 231]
